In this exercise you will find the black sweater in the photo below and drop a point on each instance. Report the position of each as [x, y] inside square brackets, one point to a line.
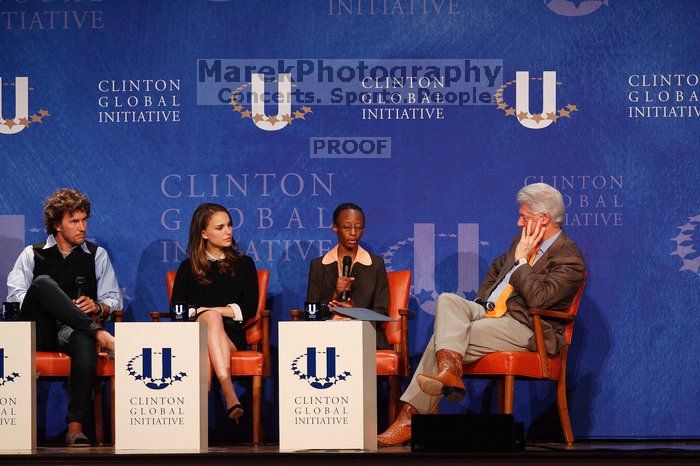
[241, 289]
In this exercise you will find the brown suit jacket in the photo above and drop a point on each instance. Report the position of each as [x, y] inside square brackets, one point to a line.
[370, 289]
[551, 283]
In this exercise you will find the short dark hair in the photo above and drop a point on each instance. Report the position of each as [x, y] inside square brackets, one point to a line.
[63, 201]
[347, 206]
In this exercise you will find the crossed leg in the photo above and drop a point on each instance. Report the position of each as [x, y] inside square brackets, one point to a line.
[220, 348]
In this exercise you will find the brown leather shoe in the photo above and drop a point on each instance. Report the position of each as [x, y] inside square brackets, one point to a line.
[399, 432]
[448, 382]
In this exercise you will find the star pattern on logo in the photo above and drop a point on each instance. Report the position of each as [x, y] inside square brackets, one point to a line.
[36, 117]
[33, 118]
[237, 106]
[502, 105]
[156, 383]
[9, 378]
[424, 296]
[317, 382]
[684, 250]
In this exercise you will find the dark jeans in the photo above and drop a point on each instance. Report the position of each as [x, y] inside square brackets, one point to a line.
[47, 305]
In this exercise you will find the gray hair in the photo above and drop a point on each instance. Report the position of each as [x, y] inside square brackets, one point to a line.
[540, 198]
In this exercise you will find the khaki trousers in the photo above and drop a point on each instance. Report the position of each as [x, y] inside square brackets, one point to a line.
[462, 326]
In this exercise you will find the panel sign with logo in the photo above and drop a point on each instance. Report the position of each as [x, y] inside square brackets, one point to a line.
[327, 385]
[161, 386]
[17, 387]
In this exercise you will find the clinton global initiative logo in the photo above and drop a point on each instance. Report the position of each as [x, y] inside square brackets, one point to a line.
[550, 114]
[9, 376]
[141, 367]
[306, 368]
[381, 89]
[21, 119]
[685, 246]
[139, 100]
[575, 7]
[441, 262]
[258, 97]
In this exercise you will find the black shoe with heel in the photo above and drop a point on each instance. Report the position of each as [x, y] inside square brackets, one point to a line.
[234, 412]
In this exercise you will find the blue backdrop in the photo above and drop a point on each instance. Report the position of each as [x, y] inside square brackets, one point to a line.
[147, 107]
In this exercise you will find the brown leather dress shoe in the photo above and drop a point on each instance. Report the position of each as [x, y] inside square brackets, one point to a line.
[399, 432]
[448, 382]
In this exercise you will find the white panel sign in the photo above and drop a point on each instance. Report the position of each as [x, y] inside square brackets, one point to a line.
[161, 386]
[328, 385]
[17, 387]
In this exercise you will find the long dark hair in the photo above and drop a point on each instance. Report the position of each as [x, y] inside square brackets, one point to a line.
[197, 245]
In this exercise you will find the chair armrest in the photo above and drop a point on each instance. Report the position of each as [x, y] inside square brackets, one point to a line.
[555, 314]
[541, 348]
[266, 341]
[296, 314]
[253, 321]
[156, 316]
[403, 347]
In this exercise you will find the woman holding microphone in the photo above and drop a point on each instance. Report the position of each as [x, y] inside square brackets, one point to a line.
[365, 285]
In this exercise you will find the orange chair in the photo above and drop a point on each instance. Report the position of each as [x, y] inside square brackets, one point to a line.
[531, 365]
[254, 363]
[53, 364]
[394, 362]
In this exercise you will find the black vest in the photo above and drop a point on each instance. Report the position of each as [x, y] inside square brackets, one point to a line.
[65, 270]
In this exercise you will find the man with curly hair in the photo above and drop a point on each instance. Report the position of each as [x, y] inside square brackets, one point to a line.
[61, 284]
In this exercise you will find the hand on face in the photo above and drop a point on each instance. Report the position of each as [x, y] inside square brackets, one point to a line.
[529, 238]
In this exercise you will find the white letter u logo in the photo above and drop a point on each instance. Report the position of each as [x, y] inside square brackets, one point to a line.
[284, 107]
[21, 106]
[522, 98]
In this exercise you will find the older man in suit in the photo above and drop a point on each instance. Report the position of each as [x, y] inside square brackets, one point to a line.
[542, 268]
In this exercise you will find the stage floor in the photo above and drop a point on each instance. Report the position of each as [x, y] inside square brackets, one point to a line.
[619, 452]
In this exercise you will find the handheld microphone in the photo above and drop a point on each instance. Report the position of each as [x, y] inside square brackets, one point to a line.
[488, 305]
[347, 263]
[79, 284]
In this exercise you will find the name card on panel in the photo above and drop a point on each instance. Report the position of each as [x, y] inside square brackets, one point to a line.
[17, 387]
[161, 386]
[328, 385]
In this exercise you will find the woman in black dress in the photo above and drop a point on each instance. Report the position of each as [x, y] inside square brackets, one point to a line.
[221, 283]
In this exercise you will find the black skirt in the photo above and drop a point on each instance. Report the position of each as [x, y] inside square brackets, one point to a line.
[233, 328]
